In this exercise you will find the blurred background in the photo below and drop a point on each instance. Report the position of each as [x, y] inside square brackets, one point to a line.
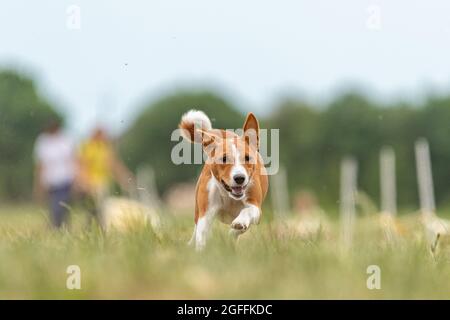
[336, 78]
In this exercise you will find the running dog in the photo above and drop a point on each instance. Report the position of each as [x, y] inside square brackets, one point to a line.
[233, 183]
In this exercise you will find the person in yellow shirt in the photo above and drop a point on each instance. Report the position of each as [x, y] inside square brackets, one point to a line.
[99, 167]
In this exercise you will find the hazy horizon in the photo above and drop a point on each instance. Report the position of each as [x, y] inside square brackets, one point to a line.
[254, 52]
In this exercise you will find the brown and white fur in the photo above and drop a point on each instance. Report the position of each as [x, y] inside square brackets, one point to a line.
[233, 183]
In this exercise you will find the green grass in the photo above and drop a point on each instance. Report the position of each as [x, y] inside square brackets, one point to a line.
[266, 263]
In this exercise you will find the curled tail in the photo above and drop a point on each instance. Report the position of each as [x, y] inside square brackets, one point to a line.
[191, 121]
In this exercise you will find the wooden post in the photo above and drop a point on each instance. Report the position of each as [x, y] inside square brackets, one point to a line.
[347, 203]
[388, 181]
[146, 188]
[279, 193]
[425, 178]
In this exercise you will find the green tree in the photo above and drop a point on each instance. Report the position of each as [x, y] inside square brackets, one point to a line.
[148, 141]
[23, 114]
[434, 124]
[298, 124]
[349, 126]
[314, 140]
[398, 127]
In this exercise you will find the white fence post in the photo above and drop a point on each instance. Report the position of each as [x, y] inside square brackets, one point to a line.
[388, 186]
[146, 187]
[348, 191]
[425, 177]
[280, 193]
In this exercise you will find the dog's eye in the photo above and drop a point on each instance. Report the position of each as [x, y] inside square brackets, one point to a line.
[224, 159]
[247, 158]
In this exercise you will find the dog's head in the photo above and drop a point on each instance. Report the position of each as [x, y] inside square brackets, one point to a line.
[233, 158]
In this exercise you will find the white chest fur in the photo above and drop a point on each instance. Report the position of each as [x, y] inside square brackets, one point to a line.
[237, 213]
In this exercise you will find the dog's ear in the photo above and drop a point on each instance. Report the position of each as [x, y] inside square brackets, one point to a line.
[251, 131]
[209, 140]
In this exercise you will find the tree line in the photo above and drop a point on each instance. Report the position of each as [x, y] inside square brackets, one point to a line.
[313, 138]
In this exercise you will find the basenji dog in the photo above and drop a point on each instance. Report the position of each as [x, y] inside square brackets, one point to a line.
[233, 183]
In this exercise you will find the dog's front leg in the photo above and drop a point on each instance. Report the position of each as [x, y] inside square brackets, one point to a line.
[202, 229]
[248, 216]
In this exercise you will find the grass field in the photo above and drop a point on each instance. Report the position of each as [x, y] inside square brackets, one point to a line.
[265, 264]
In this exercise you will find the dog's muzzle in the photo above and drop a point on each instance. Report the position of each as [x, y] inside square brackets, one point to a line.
[236, 192]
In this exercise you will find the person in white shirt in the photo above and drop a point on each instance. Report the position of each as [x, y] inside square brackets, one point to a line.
[55, 171]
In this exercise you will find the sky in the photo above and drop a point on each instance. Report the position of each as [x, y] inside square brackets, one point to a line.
[105, 63]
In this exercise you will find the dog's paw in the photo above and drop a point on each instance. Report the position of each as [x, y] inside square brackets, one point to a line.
[240, 225]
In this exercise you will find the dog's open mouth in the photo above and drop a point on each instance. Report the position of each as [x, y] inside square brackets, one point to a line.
[236, 192]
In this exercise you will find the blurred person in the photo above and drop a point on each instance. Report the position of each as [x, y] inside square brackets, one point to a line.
[54, 171]
[99, 167]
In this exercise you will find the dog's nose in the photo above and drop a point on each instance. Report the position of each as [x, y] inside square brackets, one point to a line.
[239, 178]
